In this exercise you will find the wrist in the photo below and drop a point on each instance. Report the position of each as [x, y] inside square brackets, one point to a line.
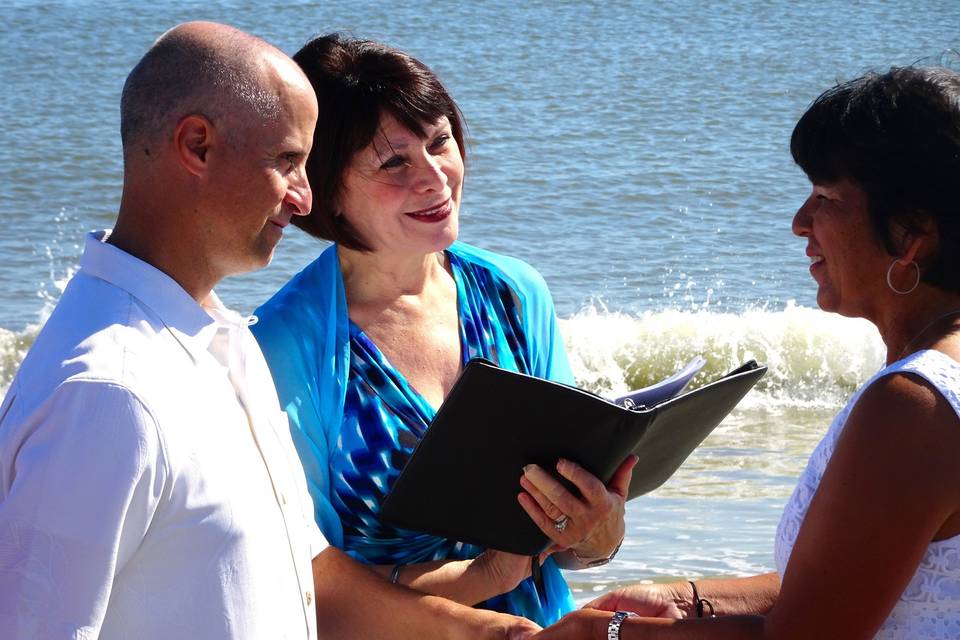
[681, 594]
[497, 578]
[587, 561]
[460, 622]
[699, 605]
[615, 622]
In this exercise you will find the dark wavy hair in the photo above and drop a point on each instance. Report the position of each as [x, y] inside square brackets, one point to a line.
[897, 136]
[356, 81]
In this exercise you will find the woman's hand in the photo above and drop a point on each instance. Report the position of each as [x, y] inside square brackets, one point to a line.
[585, 624]
[481, 624]
[647, 600]
[591, 525]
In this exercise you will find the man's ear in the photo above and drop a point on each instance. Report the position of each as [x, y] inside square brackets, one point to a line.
[192, 139]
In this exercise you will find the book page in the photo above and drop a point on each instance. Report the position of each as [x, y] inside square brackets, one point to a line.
[663, 390]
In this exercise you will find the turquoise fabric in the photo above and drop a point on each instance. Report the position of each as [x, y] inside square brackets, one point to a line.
[307, 339]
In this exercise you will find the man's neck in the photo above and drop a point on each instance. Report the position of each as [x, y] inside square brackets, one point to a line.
[156, 249]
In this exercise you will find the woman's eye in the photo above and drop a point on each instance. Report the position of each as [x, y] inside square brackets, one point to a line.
[393, 163]
[441, 140]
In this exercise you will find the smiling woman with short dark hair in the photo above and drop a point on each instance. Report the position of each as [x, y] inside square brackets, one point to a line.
[869, 542]
[366, 342]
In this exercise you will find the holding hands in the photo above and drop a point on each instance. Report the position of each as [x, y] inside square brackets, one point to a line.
[591, 525]
[646, 600]
[592, 622]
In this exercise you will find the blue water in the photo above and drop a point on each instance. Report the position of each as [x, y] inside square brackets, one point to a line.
[635, 153]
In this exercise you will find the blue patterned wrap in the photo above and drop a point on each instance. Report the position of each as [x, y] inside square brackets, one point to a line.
[355, 420]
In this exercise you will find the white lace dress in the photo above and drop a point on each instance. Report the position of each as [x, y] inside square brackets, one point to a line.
[930, 605]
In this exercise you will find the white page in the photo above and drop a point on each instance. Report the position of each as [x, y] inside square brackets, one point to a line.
[663, 390]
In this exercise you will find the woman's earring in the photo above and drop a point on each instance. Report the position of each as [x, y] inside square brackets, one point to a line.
[903, 292]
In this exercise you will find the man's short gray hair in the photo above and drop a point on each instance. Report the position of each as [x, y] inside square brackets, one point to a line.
[180, 76]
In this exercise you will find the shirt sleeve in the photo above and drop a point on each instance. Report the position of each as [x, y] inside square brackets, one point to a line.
[80, 479]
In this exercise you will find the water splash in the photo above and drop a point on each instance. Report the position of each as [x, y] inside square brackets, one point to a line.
[815, 359]
[60, 255]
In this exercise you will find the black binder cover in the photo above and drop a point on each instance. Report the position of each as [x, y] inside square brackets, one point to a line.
[463, 478]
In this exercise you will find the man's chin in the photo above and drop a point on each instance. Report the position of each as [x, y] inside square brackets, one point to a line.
[264, 260]
[254, 262]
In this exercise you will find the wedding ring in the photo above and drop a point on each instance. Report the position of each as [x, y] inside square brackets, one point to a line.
[561, 523]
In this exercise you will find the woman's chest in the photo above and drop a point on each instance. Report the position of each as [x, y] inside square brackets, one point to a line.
[425, 349]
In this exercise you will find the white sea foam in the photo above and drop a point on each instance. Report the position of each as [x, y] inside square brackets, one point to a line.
[814, 358]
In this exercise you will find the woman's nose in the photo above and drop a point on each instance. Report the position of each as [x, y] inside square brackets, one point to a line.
[431, 176]
[802, 219]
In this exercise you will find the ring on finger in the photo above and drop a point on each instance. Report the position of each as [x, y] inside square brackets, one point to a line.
[561, 523]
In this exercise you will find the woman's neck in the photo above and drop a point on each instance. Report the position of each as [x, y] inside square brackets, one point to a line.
[918, 322]
[376, 277]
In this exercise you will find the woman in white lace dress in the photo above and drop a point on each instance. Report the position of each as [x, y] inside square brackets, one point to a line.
[869, 543]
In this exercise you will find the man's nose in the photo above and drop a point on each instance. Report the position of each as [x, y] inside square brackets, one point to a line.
[299, 195]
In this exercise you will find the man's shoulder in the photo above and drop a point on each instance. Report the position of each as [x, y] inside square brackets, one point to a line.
[96, 332]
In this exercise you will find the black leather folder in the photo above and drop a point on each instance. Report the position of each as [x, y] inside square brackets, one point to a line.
[463, 478]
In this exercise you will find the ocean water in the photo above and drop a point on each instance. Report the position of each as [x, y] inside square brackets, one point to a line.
[636, 153]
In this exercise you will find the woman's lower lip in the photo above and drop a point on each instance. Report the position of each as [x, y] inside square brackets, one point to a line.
[442, 214]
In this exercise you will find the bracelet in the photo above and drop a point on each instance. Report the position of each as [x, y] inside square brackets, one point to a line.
[613, 627]
[699, 602]
[599, 562]
[395, 574]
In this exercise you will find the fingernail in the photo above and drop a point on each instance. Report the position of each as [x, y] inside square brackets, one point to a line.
[528, 467]
[562, 462]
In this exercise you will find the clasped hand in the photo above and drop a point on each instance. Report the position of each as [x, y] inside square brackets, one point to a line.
[590, 525]
[648, 601]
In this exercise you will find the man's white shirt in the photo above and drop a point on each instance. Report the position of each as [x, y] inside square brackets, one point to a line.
[149, 486]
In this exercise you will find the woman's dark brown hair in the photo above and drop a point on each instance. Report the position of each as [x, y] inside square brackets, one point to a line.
[356, 81]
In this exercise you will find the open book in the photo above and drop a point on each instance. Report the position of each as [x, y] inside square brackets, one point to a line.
[463, 478]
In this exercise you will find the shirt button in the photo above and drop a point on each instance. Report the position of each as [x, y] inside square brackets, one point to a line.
[309, 597]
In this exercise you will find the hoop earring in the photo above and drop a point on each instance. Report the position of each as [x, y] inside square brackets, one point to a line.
[900, 291]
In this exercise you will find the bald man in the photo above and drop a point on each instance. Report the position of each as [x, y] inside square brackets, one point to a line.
[149, 487]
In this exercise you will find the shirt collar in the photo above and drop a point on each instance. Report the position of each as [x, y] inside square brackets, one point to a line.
[192, 324]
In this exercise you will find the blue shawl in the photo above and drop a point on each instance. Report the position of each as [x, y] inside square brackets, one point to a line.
[303, 331]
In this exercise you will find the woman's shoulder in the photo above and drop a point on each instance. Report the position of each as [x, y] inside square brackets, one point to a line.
[303, 307]
[303, 291]
[916, 399]
[517, 272]
[917, 383]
